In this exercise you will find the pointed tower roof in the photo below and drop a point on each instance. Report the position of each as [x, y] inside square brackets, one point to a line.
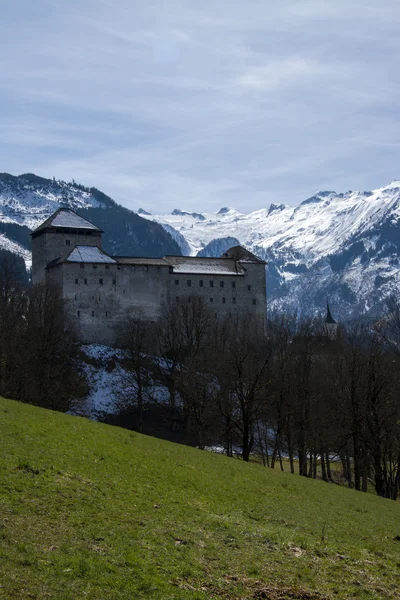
[66, 218]
[329, 319]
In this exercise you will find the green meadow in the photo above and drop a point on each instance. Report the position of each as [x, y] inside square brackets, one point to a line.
[90, 511]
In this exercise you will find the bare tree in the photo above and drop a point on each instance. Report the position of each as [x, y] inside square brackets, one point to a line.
[382, 417]
[243, 372]
[279, 416]
[13, 301]
[199, 390]
[388, 326]
[48, 373]
[136, 338]
[182, 331]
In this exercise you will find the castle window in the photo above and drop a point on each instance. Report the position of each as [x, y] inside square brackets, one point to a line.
[233, 284]
[114, 281]
[249, 287]
[233, 300]
[211, 299]
[211, 284]
[100, 281]
[189, 299]
[78, 313]
[82, 265]
[189, 283]
[76, 281]
[94, 266]
[201, 283]
[223, 300]
[92, 313]
[254, 301]
[177, 298]
[67, 242]
[85, 281]
[221, 283]
[106, 313]
[176, 281]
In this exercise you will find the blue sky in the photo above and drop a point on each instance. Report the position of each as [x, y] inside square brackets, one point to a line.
[198, 105]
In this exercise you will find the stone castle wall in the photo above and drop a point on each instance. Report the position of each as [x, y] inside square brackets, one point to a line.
[225, 294]
[100, 296]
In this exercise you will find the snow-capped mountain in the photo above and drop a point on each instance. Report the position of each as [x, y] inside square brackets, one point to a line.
[27, 200]
[342, 247]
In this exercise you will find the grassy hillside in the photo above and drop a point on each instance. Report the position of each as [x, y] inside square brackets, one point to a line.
[88, 511]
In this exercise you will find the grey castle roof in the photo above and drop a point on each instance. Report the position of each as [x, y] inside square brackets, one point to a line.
[89, 254]
[83, 254]
[229, 263]
[132, 260]
[177, 264]
[66, 218]
[187, 264]
[208, 266]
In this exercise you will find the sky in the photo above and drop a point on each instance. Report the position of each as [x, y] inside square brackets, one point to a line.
[199, 105]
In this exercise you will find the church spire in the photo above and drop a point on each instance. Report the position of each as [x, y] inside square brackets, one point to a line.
[329, 319]
[330, 324]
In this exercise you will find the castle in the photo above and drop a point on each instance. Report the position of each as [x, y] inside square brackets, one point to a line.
[101, 290]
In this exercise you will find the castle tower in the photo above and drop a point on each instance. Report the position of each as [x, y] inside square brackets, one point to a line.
[255, 288]
[330, 325]
[57, 236]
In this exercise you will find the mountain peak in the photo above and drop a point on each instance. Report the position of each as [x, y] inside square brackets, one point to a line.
[183, 213]
[276, 208]
[32, 178]
[393, 186]
[318, 197]
[225, 209]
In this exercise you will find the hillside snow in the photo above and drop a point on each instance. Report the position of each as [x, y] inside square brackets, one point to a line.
[111, 386]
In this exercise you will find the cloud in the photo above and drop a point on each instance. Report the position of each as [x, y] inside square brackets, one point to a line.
[175, 104]
[279, 74]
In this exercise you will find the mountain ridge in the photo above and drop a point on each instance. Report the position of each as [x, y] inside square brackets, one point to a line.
[27, 200]
[345, 246]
